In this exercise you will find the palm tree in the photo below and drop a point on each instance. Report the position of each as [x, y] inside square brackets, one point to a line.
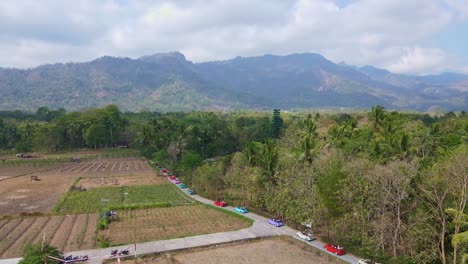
[377, 115]
[460, 219]
[308, 149]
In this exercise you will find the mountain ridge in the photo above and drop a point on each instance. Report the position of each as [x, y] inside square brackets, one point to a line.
[300, 80]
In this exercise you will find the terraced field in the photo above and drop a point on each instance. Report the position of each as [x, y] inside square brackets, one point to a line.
[172, 222]
[66, 232]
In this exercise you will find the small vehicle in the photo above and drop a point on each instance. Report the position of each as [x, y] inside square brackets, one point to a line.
[190, 192]
[241, 210]
[335, 249]
[175, 181]
[306, 236]
[164, 170]
[181, 186]
[220, 203]
[367, 261]
[275, 222]
[114, 252]
[124, 252]
[172, 177]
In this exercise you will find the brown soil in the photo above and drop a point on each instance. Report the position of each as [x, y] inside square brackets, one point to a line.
[20, 195]
[271, 251]
[65, 232]
[89, 183]
[164, 223]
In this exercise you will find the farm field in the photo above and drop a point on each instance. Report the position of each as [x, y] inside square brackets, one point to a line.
[270, 251]
[108, 181]
[171, 222]
[67, 232]
[90, 201]
[18, 194]
[108, 167]
[21, 195]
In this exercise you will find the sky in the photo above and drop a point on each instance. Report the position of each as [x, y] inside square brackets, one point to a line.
[403, 36]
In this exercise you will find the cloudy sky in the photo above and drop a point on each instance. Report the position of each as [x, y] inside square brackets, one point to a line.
[408, 36]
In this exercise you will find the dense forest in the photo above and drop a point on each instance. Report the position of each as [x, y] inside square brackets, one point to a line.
[388, 185]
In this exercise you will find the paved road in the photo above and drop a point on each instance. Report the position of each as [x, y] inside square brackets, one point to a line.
[260, 228]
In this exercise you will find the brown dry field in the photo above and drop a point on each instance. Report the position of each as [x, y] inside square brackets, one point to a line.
[66, 232]
[172, 222]
[271, 251]
[20, 195]
[108, 167]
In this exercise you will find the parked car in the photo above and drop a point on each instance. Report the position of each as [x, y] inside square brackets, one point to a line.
[220, 203]
[175, 181]
[172, 177]
[275, 222]
[164, 171]
[306, 236]
[241, 210]
[335, 249]
[181, 186]
[190, 192]
[367, 261]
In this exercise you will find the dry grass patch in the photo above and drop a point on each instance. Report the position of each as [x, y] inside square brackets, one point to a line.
[270, 251]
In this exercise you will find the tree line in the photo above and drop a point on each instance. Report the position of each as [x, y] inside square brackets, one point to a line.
[388, 185]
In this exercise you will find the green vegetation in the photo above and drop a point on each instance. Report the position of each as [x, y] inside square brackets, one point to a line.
[380, 183]
[38, 253]
[137, 197]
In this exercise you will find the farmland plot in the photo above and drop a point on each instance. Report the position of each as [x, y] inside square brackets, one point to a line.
[66, 232]
[92, 200]
[271, 251]
[21, 195]
[109, 167]
[165, 223]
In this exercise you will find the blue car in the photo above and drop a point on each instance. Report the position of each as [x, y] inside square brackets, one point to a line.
[241, 210]
[181, 186]
[190, 192]
[275, 222]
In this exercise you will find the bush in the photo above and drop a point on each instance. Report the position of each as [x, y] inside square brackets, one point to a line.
[35, 253]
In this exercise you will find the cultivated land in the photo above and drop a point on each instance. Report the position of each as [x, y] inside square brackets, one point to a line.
[271, 251]
[144, 195]
[172, 222]
[30, 209]
[66, 232]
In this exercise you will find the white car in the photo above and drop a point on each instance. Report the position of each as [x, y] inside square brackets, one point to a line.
[367, 261]
[306, 236]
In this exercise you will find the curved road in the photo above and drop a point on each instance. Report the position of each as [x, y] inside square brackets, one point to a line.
[260, 228]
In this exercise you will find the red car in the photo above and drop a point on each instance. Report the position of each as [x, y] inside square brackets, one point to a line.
[173, 177]
[335, 249]
[220, 203]
[164, 171]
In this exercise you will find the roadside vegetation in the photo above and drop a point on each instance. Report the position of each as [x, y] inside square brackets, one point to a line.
[387, 185]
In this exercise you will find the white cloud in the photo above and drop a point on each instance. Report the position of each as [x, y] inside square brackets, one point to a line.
[385, 33]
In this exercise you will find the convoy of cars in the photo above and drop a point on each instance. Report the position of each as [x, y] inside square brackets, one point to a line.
[190, 192]
[307, 236]
[275, 222]
[241, 210]
[220, 203]
[335, 249]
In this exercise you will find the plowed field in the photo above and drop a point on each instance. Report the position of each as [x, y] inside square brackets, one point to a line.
[164, 223]
[66, 232]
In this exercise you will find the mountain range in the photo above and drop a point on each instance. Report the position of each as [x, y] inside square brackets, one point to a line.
[169, 82]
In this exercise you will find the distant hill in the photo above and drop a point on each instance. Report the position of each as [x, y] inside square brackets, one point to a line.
[169, 82]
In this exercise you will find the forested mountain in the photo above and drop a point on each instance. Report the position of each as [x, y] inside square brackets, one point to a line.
[169, 82]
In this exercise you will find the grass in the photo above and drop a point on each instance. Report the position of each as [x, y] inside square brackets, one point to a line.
[229, 212]
[138, 196]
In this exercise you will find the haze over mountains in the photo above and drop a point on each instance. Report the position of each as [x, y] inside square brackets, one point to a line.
[169, 82]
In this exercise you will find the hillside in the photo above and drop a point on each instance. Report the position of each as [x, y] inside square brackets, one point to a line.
[169, 82]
